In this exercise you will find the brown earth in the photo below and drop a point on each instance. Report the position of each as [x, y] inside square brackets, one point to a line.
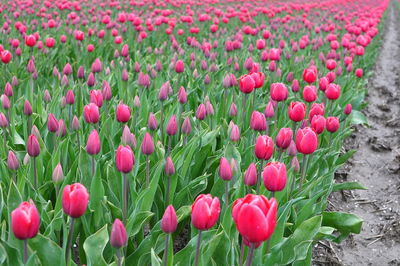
[376, 165]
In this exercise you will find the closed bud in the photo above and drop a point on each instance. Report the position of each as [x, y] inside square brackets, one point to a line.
[58, 175]
[47, 97]
[152, 122]
[123, 113]
[233, 110]
[75, 199]
[169, 167]
[292, 150]
[172, 126]
[25, 221]
[75, 123]
[235, 133]
[33, 146]
[201, 112]
[294, 164]
[93, 143]
[169, 221]
[284, 138]
[136, 102]
[269, 110]
[3, 121]
[258, 121]
[264, 147]
[182, 97]
[274, 176]
[186, 126]
[27, 108]
[52, 123]
[225, 170]
[124, 159]
[118, 237]
[332, 124]
[318, 123]
[91, 113]
[70, 97]
[12, 161]
[147, 144]
[250, 176]
[348, 109]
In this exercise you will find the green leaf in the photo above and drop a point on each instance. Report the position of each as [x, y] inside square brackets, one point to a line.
[348, 186]
[136, 222]
[155, 260]
[344, 157]
[48, 252]
[94, 246]
[358, 118]
[343, 222]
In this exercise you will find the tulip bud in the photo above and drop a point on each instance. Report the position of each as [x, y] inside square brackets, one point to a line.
[201, 112]
[147, 144]
[186, 126]
[124, 159]
[25, 220]
[292, 151]
[46, 96]
[332, 92]
[169, 167]
[295, 164]
[27, 108]
[169, 221]
[278, 92]
[74, 200]
[93, 143]
[295, 85]
[35, 131]
[316, 109]
[118, 237]
[264, 147]
[81, 73]
[8, 90]
[33, 146]
[306, 140]
[310, 93]
[52, 123]
[284, 138]
[258, 121]
[58, 175]
[246, 84]
[269, 110]
[274, 176]
[233, 110]
[136, 102]
[3, 121]
[250, 176]
[123, 113]
[172, 126]
[348, 109]
[225, 171]
[182, 97]
[179, 66]
[205, 212]
[12, 161]
[70, 98]
[235, 133]
[62, 129]
[163, 93]
[310, 75]
[5, 102]
[75, 123]
[91, 80]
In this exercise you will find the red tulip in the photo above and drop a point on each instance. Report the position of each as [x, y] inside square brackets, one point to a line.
[123, 113]
[359, 73]
[118, 237]
[310, 93]
[169, 221]
[284, 138]
[258, 78]
[318, 123]
[258, 121]
[96, 97]
[297, 111]
[124, 159]
[306, 140]
[264, 147]
[255, 218]
[330, 64]
[278, 92]
[348, 109]
[316, 109]
[6, 56]
[332, 92]
[250, 176]
[93, 143]
[205, 212]
[310, 75]
[25, 220]
[74, 200]
[274, 176]
[30, 40]
[332, 124]
[91, 113]
[179, 66]
[246, 84]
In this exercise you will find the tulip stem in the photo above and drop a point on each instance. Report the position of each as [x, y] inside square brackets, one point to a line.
[179, 121]
[226, 194]
[259, 177]
[168, 190]
[55, 141]
[119, 257]
[303, 170]
[93, 165]
[34, 173]
[166, 250]
[5, 140]
[196, 262]
[69, 116]
[147, 171]
[25, 251]
[250, 256]
[162, 122]
[244, 111]
[69, 241]
[124, 198]
[241, 253]
[78, 139]
[169, 145]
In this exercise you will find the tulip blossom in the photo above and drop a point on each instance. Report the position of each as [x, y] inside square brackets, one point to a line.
[274, 176]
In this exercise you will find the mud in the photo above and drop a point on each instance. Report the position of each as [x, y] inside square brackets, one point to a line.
[376, 165]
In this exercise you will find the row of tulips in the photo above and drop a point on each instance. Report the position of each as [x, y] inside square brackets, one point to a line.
[159, 116]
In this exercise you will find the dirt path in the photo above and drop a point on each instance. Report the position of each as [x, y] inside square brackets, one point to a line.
[376, 165]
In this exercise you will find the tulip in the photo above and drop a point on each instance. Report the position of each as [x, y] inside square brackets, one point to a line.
[306, 143]
[316, 109]
[186, 128]
[124, 160]
[250, 176]
[235, 133]
[348, 109]
[169, 223]
[269, 110]
[264, 147]
[179, 66]
[258, 122]
[274, 176]
[123, 113]
[74, 202]
[91, 113]
[33, 149]
[284, 138]
[96, 97]
[147, 149]
[118, 238]
[278, 92]
[310, 75]
[201, 112]
[310, 93]
[205, 213]
[332, 125]
[233, 110]
[297, 111]
[12, 161]
[225, 172]
[255, 219]
[332, 91]
[25, 223]
[58, 175]
[52, 123]
[318, 123]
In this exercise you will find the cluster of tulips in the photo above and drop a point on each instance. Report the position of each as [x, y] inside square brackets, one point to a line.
[157, 109]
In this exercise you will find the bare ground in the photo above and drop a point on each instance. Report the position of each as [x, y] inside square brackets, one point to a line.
[376, 165]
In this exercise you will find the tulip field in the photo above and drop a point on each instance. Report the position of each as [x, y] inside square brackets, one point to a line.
[184, 132]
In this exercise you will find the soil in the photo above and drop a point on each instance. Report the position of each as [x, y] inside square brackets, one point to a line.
[376, 165]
